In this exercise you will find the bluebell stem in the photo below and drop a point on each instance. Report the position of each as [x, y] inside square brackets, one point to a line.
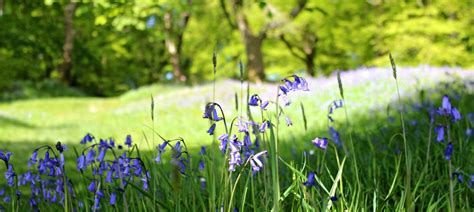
[321, 143]
[310, 181]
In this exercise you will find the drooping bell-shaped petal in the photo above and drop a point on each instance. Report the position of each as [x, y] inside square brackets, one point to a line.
[456, 115]
[254, 99]
[440, 133]
[321, 143]
[448, 152]
[288, 121]
[87, 138]
[211, 129]
[264, 105]
[310, 181]
[128, 141]
[224, 140]
[113, 198]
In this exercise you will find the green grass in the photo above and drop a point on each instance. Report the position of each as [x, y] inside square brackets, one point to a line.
[371, 176]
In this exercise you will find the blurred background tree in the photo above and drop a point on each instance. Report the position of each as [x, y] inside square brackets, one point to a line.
[102, 48]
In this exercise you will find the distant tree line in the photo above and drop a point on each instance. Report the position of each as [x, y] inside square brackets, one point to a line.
[107, 47]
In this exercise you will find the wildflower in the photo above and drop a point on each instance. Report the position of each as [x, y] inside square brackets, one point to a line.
[264, 126]
[338, 103]
[210, 112]
[335, 135]
[468, 132]
[288, 121]
[113, 198]
[33, 158]
[310, 181]
[235, 159]
[211, 129]
[202, 180]
[203, 150]
[5, 157]
[449, 151]
[87, 138]
[161, 149]
[456, 115]
[81, 162]
[91, 186]
[334, 198]
[7, 199]
[224, 140]
[247, 142]
[2, 191]
[264, 105]
[254, 99]
[9, 175]
[90, 156]
[284, 89]
[255, 161]
[440, 131]
[128, 141]
[320, 142]
[243, 126]
[201, 165]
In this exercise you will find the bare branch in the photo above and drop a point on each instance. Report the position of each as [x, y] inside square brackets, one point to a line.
[292, 48]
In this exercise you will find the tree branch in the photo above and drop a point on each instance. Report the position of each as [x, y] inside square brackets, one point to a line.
[291, 48]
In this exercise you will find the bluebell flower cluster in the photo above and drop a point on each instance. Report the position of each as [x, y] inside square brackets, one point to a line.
[447, 111]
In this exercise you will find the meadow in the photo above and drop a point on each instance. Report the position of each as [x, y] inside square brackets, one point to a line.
[369, 139]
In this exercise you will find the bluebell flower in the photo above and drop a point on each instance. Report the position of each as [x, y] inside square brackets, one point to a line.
[210, 112]
[101, 156]
[90, 156]
[456, 115]
[91, 186]
[264, 126]
[113, 198]
[468, 132]
[300, 83]
[108, 178]
[338, 103]
[288, 121]
[87, 138]
[10, 175]
[448, 151]
[224, 139]
[203, 150]
[440, 131]
[264, 105]
[235, 158]
[7, 199]
[311, 180]
[2, 191]
[128, 141]
[255, 161]
[254, 99]
[81, 162]
[201, 165]
[335, 135]
[257, 143]
[242, 125]
[202, 181]
[284, 89]
[161, 149]
[320, 142]
[211, 129]
[33, 202]
[33, 158]
[247, 142]
[5, 156]
[334, 198]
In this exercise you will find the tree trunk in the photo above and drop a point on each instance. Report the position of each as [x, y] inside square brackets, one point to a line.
[309, 54]
[309, 61]
[173, 43]
[255, 67]
[65, 70]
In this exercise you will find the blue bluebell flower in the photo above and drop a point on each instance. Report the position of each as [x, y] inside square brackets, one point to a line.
[288, 121]
[448, 151]
[201, 165]
[202, 181]
[161, 149]
[128, 141]
[335, 135]
[224, 139]
[108, 178]
[203, 150]
[242, 125]
[211, 129]
[254, 99]
[235, 158]
[471, 182]
[81, 162]
[91, 186]
[468, 132]
[5, 156]
[440, 131]
[90, 158]
[264, 105]
[311, 180]
[255, 161]
[113, 198]
[10, 175]
[334, 198]
[2, 191]
[320, 142]
[284, 89]
[247, 141]
[7, 199]
[456, 115]
[87, 138]
[264, 126]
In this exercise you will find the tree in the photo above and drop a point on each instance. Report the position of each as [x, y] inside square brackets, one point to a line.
[65, 70]
[253, 40]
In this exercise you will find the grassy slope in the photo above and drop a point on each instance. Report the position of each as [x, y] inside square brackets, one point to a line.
[179, 109]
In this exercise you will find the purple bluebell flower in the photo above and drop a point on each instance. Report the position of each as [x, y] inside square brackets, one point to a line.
[203, 150]
[113, 198]
[257, 143]
[440, 131]
[338, 103]
[112, 142]
[161, 149]
[128, 141]
[254, 99]
[334, 198]
[90, 156]
[33, 158]
[247, 141]
[108, 178]
[288, 121]
[10, 175]
[2, 191]
[91, 186]
[456, 115]
[264, 126]
[201, 165]
[5, 156]
[235, 158]
[320, 142]
[202, 181]
[311, 180]
[210, 112]
[87, 138]
[81, 162]
[300, 83]
[264, 105]
[448, 151]
[211, 129]
[255, 161]
[445, 106]
[284, 89]
[7, 199]
[243, 125]
[224, 139]
[335, 135]
[101, 156]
